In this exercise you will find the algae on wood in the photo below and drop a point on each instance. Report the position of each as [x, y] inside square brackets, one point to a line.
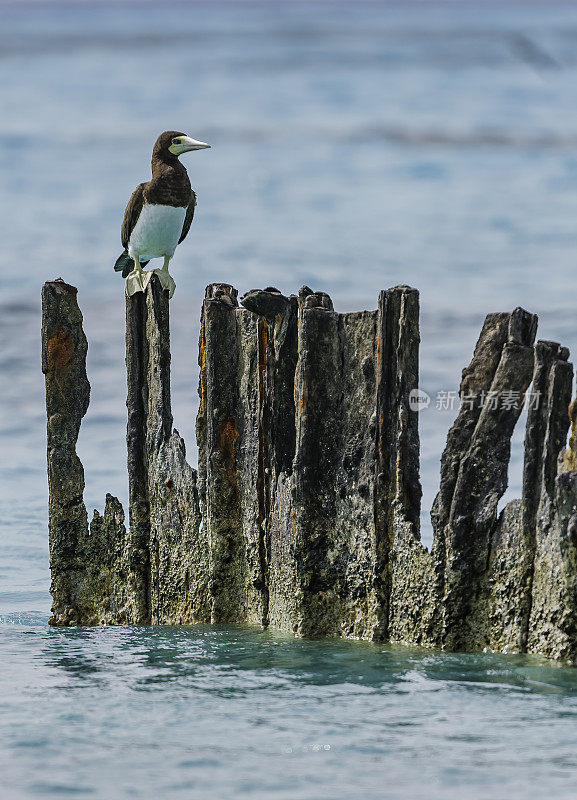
[304, 514]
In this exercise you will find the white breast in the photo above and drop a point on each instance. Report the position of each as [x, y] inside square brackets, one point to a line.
[156, 232]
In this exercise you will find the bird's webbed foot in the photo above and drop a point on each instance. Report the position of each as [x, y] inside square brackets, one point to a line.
[166, 281]
[137, 281]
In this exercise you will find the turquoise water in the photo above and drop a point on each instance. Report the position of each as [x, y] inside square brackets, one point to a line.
[355, 146]
[240, 713]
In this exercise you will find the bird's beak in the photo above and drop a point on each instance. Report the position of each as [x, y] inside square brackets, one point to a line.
[191, 144]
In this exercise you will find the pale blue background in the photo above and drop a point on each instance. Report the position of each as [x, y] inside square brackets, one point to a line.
[355, 146]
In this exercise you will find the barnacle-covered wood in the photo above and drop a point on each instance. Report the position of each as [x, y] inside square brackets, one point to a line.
[351, 467]
[550, 501]
[333, 475]
[403, 563]
[225, 437]
[515, 551]
[64, 348]
[304, 514]
[88, 586]
[474, 474]
[168, 555]
[157, 570]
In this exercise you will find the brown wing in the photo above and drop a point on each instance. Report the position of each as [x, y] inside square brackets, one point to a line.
[188, 218]
[131, 214]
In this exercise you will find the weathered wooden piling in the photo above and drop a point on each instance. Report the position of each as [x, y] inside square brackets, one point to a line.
[90, 565]
[474, 472]
[304, 512]
[64, 349]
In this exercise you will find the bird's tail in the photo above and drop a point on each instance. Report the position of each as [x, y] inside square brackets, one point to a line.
[124, 264]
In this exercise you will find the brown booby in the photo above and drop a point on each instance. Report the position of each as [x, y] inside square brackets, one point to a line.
[159, 214]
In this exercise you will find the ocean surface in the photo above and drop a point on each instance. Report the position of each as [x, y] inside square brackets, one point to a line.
[355, 146]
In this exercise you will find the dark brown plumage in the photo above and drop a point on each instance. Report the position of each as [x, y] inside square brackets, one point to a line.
[169, 186]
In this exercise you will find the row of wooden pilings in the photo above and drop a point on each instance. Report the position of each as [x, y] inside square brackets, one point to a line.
[303, 514]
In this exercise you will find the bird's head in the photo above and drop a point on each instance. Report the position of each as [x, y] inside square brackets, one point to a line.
[175, 143]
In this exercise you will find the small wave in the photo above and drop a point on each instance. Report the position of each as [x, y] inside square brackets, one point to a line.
[373, 132]
[24, 618]
[491, 138]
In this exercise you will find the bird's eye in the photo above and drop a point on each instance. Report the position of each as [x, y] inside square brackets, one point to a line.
[176, 141]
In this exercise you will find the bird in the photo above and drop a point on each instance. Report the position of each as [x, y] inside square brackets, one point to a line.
[158, 215]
